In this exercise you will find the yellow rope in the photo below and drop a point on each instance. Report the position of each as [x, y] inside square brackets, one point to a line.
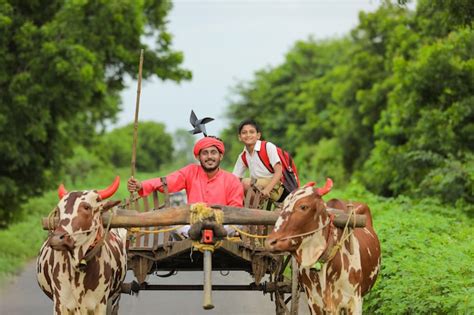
[202, 247]
[139, 230]
[200, 212]
[344, 237]
[248, 234]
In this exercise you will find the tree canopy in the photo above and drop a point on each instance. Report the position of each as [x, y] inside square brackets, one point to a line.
[391, 105]
[62, 67]
[154, 146]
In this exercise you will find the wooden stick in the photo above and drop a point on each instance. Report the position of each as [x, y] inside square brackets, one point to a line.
[137, 107]
[135, 126]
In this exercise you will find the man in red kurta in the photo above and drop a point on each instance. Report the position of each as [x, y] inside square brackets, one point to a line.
[203, 183]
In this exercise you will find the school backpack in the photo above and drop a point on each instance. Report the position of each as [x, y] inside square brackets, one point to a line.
[289, 177]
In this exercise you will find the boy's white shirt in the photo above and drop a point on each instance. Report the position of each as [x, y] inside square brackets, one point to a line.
[256, 167]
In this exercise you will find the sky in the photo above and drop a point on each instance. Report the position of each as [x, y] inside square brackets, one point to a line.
[225, 42]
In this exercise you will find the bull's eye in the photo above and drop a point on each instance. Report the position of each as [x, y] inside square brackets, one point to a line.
[304, 207]
[87, 207]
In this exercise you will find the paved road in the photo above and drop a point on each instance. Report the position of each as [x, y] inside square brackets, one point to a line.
[24, 297]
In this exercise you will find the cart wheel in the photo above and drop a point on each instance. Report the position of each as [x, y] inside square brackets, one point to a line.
[281, 308]
[295, 287]
[293, 299]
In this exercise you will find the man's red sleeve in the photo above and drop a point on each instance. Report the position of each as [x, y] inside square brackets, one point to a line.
[176, 181]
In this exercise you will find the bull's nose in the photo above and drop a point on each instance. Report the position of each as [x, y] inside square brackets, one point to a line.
[61, 241]
[270, 243]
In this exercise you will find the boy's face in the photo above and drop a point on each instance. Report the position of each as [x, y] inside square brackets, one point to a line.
[210, 158]
[249, 135]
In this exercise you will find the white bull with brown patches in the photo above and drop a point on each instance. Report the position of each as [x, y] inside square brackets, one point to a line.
[81, 266]
[336, 267]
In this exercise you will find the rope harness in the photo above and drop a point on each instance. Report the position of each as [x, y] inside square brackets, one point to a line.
[247, 234]
[330, 251]
[308, 233]
[140, 230]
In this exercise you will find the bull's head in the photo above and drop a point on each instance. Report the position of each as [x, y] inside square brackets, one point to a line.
[302, 223]
[80, 218]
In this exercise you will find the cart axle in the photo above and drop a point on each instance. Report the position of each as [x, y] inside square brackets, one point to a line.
[266, 287]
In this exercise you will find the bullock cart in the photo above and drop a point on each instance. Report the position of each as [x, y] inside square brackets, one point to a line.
[155, 250]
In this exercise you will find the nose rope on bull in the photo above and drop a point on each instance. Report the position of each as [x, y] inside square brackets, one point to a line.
[307, 233]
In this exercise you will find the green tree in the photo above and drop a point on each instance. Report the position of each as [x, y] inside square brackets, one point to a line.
[154, 146]
[425, 137]
[275, 92]
[62, 67]
[82, 163]
[390, 105]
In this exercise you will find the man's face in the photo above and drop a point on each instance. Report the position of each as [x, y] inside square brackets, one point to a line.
[249, 135]
[210, 158]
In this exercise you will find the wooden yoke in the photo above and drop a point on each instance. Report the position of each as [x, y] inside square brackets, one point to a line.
[179, 215]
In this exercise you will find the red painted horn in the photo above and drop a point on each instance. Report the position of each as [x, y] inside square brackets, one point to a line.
[327, 187]
[109, 191]
[61, 191]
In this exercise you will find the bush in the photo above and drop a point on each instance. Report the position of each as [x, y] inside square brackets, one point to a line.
[316, 162]
[426, 256]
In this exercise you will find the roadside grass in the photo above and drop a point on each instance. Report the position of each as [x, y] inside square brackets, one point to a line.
[427, 255]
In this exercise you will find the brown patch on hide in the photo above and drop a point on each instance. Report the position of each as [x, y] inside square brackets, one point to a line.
[92, 274]
[71, 200]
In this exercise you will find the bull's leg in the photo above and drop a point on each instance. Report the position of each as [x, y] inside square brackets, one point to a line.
[315, 309]
[101, 309]
[57, 308]
[61, 309]
[43, 271]
[113, 305]
[354, 306]
[358, 306]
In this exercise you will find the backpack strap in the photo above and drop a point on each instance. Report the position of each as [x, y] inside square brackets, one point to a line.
[243, 156]
[263, 155]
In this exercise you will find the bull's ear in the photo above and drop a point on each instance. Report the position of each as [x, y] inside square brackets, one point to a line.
[110, 204]
[327, 187]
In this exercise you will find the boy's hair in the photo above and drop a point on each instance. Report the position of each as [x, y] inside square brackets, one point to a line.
[249, 122]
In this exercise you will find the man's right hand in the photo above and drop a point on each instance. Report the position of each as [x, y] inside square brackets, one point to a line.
[133, 185]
